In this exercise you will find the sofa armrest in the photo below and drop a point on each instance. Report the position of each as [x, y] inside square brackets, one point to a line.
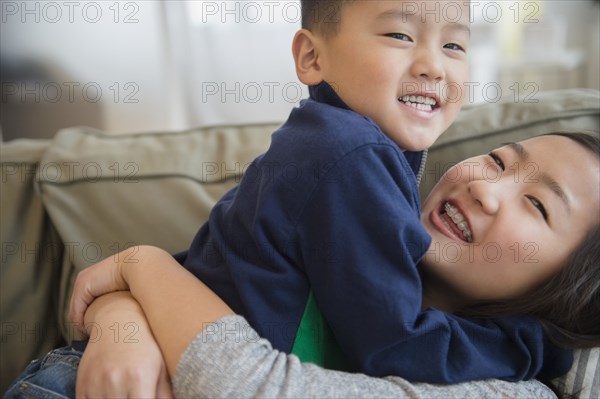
[31, 261]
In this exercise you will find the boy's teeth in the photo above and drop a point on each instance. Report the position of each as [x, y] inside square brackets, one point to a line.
[459, 221]
[419, 102]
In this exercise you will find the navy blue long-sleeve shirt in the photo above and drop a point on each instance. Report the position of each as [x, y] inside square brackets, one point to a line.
[333, 207]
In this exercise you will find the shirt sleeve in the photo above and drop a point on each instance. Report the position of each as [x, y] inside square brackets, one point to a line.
[359, 240]
[228, 359]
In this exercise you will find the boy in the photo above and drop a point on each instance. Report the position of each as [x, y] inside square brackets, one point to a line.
[327, 220]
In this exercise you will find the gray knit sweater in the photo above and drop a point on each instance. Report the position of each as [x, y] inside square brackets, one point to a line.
[229, 360]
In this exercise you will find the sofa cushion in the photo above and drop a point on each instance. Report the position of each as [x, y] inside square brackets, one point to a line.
[105, 193]
[583, 380]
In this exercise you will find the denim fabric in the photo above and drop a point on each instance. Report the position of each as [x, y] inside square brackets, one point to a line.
[52, 377]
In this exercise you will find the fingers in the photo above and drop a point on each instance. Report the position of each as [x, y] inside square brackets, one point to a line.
[164, 389]
[94, 281]
[81, 298]
[126, 381]
[141, 387]
[112, 385]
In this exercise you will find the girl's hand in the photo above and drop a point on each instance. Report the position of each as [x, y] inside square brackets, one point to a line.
[122, 370]
[122, 358]
[103, 277]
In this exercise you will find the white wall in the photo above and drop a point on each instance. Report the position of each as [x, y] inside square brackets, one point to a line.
[105, 57]
[120, 48]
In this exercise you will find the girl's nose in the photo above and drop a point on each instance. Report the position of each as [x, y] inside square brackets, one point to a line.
[486, 194]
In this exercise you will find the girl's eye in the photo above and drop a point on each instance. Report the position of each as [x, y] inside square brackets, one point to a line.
[400, 36]
[497, 160]
[538, 204]
[455, 47]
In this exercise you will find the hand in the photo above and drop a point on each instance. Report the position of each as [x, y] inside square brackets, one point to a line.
[103, 277]
[122, 358]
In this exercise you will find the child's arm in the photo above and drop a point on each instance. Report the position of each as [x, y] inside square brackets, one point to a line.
[122, 358]
[176, 304]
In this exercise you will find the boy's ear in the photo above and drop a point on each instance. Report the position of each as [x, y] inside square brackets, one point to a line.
[305, 48]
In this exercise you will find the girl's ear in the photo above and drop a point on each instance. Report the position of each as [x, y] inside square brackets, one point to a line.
[305, 48]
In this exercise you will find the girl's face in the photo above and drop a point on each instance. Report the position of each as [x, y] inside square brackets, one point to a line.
[505, 222]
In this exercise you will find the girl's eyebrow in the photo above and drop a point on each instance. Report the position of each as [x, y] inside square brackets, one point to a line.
[545, 178]
[522, 153]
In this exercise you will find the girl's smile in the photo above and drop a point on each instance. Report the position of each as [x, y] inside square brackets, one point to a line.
[452, 221]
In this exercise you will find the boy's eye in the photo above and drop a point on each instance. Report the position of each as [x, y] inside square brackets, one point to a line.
[455, 47]
[399, 36]
[538, 204]
[497, 160]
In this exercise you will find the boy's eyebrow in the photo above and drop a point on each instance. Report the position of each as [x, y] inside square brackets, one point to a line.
[405, 15]
[396, 13]
[545, 178]
[460, 27]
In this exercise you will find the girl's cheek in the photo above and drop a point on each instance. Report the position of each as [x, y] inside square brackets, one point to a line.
[463, 172]
[457, 173]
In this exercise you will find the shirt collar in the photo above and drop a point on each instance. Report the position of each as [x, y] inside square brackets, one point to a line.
[324, 93]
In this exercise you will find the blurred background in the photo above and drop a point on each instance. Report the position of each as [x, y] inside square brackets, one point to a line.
[132, 66]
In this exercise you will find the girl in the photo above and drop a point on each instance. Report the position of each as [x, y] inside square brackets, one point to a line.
[542, 226]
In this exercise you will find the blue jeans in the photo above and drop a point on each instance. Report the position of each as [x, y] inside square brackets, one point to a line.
[54, 376]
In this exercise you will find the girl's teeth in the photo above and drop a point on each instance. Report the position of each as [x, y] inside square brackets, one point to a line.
[446, 224]
[459, 220]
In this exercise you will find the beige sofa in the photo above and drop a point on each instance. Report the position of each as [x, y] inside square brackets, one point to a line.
[73, 200]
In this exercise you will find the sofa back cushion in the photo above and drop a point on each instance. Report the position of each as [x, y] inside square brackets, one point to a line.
[482, 127]
[105, 193]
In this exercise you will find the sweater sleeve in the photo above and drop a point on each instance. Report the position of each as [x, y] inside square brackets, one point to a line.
[360, 240]
[228, 359]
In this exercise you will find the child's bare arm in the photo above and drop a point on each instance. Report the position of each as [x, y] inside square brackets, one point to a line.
[176, 304]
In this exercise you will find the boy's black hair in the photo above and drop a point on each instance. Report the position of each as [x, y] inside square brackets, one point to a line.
[322, 16]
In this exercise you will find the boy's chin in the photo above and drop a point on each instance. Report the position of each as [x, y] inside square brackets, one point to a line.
[415, 139]
[420, 144]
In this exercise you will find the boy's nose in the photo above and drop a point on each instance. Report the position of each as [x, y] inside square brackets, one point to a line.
[428, 65]
[486, 194]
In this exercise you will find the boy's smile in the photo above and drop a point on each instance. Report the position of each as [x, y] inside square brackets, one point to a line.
[402, 68]
[503, 223]
[423, 102]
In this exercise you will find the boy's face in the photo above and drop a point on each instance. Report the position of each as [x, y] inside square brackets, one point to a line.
[503, 223]
[387, 51]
